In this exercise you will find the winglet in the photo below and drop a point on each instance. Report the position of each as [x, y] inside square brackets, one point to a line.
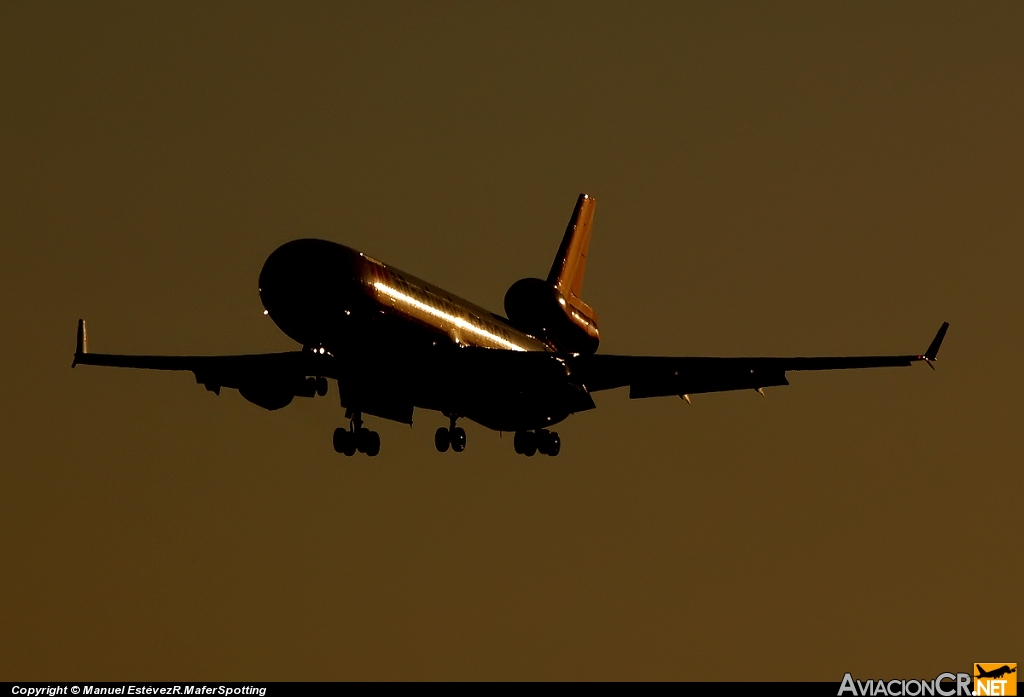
[82, 345]
[933, 350]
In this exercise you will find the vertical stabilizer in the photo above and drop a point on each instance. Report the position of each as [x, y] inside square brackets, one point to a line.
[571, 261]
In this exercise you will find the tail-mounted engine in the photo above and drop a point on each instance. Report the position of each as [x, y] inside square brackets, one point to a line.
[539, 308]
[552, 309]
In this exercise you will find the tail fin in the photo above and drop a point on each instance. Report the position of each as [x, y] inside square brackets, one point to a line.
[571, 261]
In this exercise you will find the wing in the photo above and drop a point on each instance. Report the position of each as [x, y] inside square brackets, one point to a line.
[655, 376]
[270, 380]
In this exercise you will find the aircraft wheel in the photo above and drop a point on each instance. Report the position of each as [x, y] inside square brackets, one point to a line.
[321, 386]
[554, 445]
[519, 442]
[526, 443]
[543, 438]
[458, 435]
[372, 444]
[344, 442]
[362, 437]
[441, 439]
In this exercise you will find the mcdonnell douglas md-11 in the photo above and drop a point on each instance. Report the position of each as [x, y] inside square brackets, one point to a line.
[394, 343]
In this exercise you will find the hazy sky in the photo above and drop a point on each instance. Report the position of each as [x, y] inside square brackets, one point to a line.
[772, 179]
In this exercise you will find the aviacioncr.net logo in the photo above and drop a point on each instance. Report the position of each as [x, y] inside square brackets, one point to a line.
[945, 685]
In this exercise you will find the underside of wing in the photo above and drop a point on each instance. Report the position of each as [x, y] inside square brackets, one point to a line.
[270, 380]
[656, 376]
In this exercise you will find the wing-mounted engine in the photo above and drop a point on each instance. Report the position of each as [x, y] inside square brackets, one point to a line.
[267, 396]
[552, 308]
[277, 394]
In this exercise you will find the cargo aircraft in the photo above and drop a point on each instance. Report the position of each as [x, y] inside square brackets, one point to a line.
[393, 343]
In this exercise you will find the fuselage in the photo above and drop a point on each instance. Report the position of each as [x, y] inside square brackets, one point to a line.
[321, 293]
[399, 339]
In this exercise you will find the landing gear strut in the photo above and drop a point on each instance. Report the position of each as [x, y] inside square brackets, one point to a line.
[453, 436]
[541, 441]
[355, 437]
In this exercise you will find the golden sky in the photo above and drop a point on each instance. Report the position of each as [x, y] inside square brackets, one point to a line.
[772, 179]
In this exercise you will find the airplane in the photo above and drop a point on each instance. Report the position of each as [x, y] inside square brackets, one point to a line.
[394, 343]
[996, 673]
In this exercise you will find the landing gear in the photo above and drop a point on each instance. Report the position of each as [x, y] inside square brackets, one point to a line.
[348, 440]
[442, 440]
[458, 436]
[368, 442]
[525, 443]
[542, 441]
[453, 436]
[549, 443]
[344, 442]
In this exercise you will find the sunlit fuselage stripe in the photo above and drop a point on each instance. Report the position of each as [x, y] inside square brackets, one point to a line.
[469, 328]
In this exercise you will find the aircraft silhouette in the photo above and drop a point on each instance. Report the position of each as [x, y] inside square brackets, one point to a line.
[393, 343]
[996, 673]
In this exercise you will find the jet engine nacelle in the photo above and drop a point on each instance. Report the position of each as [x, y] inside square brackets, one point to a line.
[266, 396]
[275, 395]
[538, 308]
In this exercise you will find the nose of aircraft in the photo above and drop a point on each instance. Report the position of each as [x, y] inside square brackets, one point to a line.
[306, 286]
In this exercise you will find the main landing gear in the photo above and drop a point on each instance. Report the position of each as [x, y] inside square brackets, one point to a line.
[355, 437]
[453, 436]
[541, 441]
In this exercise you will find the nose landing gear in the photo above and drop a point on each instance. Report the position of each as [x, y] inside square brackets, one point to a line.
[356, 438]
[453, 436]
[541, 441]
